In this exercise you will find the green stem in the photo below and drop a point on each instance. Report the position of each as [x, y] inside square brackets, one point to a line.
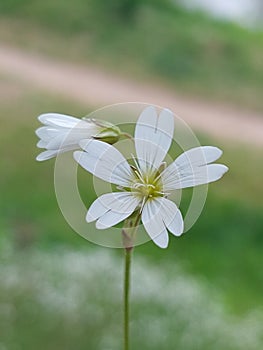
[127, 273]
[128, 234]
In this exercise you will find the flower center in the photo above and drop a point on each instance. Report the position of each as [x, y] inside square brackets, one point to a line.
[146, 184]
[145, 190]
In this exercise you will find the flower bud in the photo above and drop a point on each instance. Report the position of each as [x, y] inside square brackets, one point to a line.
[109, 133]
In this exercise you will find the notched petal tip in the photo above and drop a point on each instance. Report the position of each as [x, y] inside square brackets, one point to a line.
[90, 218]
[179, 232]
[42, 144]
[38, 131]
[177, 227]
[58, 120]
[212, 153]
[224, 169]
[147, 116]
[215, 172]
[40, 159]
[43, 118]
[167, 110]
[101, 226]
[46, 155]
[162, 240]
[166, 122]
[149, 109]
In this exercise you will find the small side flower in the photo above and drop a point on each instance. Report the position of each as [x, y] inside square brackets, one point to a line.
[62, 133]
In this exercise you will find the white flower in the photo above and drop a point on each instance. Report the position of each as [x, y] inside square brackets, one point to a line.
[63, 133]
[146, 184]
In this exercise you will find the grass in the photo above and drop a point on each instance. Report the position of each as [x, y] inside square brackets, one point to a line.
[163, 43]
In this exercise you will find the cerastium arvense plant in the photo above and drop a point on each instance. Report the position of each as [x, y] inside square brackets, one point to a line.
[143, 183]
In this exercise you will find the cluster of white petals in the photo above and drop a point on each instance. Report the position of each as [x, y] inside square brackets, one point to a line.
[146, 184]
[62, 133]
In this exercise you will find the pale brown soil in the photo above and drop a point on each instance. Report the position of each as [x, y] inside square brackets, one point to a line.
[96, 87]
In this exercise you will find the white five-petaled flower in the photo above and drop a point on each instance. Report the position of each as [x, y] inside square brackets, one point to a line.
[146, 184]
[63, 133]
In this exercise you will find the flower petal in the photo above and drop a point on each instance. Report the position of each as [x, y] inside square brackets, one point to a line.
[110, 219]
[46, 155]
[69, 138]
[47, 133]
[172, 217]
[192, 168]
[42, 144]
[58, 137]
[104, 161]
[56, 119]
[112, 208]
[154, 224]
[153, 137]
[162, 239]
[199, 156]
[159, 214]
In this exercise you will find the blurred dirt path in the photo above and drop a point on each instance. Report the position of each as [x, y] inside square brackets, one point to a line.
[96, 88]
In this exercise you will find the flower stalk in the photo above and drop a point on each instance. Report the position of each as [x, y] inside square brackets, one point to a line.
[126, 298]
[128, 234]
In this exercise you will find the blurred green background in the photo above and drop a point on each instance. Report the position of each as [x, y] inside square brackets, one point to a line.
[59, 291]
